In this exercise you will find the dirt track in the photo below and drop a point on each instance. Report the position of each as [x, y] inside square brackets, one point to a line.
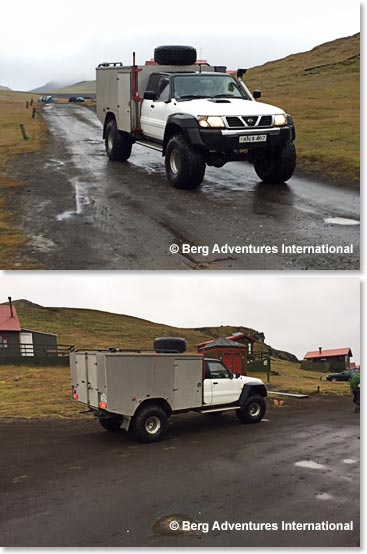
[69, 483]
[84, 212]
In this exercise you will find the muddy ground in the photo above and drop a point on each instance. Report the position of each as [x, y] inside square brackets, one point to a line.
[70, 483]
[83, 212]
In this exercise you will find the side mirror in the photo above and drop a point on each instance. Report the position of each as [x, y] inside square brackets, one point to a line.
[238, 375]
[150, 95]
[256, 94]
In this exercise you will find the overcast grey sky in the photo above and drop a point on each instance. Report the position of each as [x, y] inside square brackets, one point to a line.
[297, 313]
[42, 41]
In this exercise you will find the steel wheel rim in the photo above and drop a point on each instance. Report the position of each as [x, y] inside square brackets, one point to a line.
[175, 162]
[255, 409]
[153, 425]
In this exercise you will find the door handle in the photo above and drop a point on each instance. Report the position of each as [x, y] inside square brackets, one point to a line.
[152, 106]
[215, 383]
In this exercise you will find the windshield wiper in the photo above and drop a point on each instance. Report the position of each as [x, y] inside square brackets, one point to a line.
[192, 96]
[226, 96]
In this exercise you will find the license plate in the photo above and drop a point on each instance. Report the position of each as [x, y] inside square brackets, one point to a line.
[252, 138]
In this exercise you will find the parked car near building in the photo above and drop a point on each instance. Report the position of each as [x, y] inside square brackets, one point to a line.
[341, 376]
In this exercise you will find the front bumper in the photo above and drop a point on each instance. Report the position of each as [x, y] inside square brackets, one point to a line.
[227, 140]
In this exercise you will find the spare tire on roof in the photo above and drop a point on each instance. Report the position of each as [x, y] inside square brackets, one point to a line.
[168, 345]
[175, 55]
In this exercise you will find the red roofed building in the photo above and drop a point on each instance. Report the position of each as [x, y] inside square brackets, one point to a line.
[26, 346]
[337, 359]
[235, 351]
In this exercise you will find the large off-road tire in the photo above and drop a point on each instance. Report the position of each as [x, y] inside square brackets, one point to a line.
[175, 55]
[276, 166]
[253, 410]
[150, 424]
[185, 166]
[118, 144]
[110, 423]
[170, 344]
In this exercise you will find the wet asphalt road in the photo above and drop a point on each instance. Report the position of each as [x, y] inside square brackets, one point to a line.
[70, 483]
[84, 212]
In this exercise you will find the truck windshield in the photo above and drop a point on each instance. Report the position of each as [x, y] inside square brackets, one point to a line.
[189, 87]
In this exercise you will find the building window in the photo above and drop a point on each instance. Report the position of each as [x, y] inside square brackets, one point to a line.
[3, 342]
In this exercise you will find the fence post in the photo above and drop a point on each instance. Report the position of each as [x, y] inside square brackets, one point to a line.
[33, 113]
[22, 128]
[31, 102]
[27, 104]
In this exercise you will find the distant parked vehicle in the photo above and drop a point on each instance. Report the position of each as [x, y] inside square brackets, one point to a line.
[47, 99]
[342, 376]
[76, 99]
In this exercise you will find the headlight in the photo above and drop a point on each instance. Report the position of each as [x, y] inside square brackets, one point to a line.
[211, 121]
[280, 119]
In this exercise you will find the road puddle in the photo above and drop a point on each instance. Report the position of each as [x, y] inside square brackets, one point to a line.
[171, 524]
[324, 496]
[341, 221]
[309, 464]
[65, 215]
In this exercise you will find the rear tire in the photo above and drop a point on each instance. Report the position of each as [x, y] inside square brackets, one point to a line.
[150, 424]
[276, 166]
[110, 423]
[253, 410]
[118, 144]
[185, 166]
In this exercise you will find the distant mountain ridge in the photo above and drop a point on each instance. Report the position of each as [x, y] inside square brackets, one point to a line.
[50, 86]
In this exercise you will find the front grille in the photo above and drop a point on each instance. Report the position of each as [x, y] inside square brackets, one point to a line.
[266, 121]
[234, 121]
[251, 120]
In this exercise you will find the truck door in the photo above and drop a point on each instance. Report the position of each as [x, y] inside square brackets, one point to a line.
[86, 378]
[187, 383]
[124, 102]
[154, 113]
[219, 380]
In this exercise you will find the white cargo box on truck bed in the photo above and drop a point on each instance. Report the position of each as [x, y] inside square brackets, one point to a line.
[124, 379]
[115, 90]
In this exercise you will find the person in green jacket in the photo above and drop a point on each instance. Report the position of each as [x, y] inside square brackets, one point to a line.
[354, 387]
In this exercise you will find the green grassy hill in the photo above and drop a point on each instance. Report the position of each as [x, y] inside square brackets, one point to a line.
[96, 329]
[320, 89]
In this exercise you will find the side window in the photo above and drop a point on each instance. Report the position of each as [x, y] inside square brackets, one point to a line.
[3, 341]
[216, 370]
[163, 89]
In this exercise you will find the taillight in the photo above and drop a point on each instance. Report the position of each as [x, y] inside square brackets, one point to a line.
[103, 405]
[75, 394]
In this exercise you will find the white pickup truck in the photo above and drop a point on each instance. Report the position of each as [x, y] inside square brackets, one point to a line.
[139, 391]
[195, 115]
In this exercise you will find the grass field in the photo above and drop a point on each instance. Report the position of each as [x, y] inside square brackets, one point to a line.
[13, 112]
[45, 392]
[320, 89]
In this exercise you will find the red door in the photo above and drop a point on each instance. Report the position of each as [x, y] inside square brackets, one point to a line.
[236, 363]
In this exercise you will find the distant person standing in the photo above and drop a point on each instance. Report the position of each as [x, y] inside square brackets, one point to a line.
[354, 387]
